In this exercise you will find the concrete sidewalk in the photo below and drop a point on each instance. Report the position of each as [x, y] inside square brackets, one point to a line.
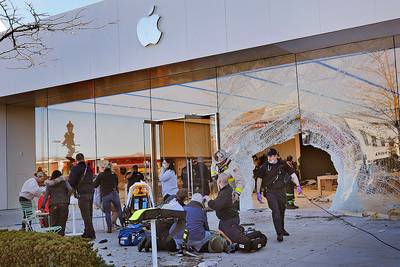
[316, 239]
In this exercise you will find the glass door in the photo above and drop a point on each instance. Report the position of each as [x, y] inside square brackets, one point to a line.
[201, 142]
[190, 143]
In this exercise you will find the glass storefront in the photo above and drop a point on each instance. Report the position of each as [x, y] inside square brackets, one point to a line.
[342, 100]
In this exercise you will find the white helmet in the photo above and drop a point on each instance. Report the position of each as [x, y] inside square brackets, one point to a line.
[220, 156]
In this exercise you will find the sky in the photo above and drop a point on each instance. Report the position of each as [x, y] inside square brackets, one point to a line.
[51, 7]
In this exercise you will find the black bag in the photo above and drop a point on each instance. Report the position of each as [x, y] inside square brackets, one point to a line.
[257, 240]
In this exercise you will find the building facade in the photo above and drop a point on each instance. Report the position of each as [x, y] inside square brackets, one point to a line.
[248, 75]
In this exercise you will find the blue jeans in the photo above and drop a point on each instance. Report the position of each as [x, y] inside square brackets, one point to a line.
[112, 197]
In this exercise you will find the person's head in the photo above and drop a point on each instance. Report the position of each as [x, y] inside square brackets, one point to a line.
[222, 180]
[80, 157]
[108, 166]
[255, 159]
[135, 168]
[122, 170]
[220, 156]
[182, 195]
[197, 197]
[170, 165]
[217, 244]
[272, 155]
[55, 174]
[40, 177]
[289, 158]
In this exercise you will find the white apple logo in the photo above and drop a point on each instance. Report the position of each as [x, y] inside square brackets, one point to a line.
[147, 29]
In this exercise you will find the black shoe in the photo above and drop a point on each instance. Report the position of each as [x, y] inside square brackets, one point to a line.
[109, 230]
[285, 233]
[280, 238]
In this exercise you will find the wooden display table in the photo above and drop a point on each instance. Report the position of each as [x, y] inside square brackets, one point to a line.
[328, 182]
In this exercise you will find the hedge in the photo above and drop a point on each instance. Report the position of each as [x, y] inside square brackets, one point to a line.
[20, 248]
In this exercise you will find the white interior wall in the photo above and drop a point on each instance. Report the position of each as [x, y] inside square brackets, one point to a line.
[20, 150]
[3, 158]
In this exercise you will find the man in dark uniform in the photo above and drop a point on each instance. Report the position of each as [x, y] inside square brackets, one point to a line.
[290, 197]
[273, 176]
[81, 179]
[134, 177]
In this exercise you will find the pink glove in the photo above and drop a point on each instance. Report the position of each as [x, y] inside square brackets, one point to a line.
[299, 190]
[259, 198]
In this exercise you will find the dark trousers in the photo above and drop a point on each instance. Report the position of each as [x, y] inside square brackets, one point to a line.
[232, 229]
[85, 203]
[112, 197]
[277, 204]
[59, 216]
[24, 200]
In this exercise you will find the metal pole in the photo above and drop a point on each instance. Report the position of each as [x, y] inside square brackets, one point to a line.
[191, 175]
[188, 176]
[154, 167]
[154, 258]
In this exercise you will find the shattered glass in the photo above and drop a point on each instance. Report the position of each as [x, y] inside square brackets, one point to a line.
[344, 105]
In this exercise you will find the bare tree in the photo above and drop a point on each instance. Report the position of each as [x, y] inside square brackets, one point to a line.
[23, 38]
[379, 103]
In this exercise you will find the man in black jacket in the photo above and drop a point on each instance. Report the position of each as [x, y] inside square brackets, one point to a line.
[226, 211]
[134, 177]
[273, 176]
[81, 179]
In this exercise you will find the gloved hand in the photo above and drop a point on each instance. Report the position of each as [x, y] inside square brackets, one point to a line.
[235, 196]
[259, 198]
[299, 190]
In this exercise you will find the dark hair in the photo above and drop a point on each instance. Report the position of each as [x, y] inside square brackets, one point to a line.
[55, 174]
[80, 157]
[122, 170]
[171, 165]
[135, 167]
[272, 152]
[289, 158]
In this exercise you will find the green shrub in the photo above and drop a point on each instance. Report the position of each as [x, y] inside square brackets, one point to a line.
[19, 248]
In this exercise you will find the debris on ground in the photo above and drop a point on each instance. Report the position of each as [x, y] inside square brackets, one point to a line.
[321, 199]
[394, 214]
[103, 241]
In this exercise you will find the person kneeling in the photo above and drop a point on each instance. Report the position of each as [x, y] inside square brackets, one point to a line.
[196, 224]
[226, 212]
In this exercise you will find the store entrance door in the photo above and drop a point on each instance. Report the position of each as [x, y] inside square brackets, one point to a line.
[189, 142]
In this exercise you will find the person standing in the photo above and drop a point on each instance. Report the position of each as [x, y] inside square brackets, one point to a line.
[31, 189]
[108, 182]
[203, 177]
[81, 180]
[169, 180]
[134, 177]
[59, 192]
[273, 176]
[290, 204]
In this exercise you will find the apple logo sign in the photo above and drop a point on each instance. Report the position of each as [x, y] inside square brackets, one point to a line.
[147, 29]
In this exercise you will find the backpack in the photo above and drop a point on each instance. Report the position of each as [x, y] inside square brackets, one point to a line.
[131, 235]
[257, 240]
